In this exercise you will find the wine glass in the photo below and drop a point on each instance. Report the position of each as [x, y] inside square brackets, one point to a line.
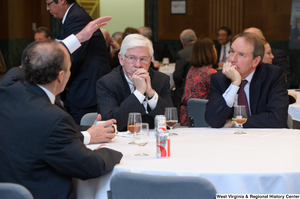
[171, 118]
[141, 136]
[240, 117]
[133, 118]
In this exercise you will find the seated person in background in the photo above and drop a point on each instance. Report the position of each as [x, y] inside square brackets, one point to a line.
[198, 78]
[42, 34]
[224, 37]
[112, 45]
[2, 66]
[126, 32]
[133, 86]
[268, 58]
[280, 57]
[263, 86]
[43, 152]
[160, 48]
[182, 66]
[118, 37]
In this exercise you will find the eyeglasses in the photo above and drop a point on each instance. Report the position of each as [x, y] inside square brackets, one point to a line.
[48, 4]
[132, 59]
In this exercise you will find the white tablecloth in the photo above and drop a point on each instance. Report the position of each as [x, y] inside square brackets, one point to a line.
[294, 109]
[168, 70]
[263, 161]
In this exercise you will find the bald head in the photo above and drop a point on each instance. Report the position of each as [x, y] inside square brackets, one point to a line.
[255, 31]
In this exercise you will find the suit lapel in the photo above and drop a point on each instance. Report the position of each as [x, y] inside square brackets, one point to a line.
[124, 82]
[37, 90]
[255, 88]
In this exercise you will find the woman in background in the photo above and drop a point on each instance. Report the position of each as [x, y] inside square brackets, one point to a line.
[2, 66]
[203, 56]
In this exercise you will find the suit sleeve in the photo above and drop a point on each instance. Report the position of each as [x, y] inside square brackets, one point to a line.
[217, 111]
[111, 106]
[281, 60]
[274, 113]
[68, 155]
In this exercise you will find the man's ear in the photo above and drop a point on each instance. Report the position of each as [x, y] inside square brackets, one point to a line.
[256, 61]
[121, 60]
[60, 76]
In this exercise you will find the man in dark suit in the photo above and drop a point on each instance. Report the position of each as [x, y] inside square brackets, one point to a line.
[280, 57]
[40, 146]
[133, 86]
[182, 66]
[266, 97]
[224, 37]
[89, 63]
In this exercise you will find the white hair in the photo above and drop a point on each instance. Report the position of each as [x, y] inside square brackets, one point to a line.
[135, 40]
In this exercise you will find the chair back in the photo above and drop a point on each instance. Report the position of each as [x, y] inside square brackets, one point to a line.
[290, 121]
[195, 111]
[125, 185]
[88, 119]
[15, 191]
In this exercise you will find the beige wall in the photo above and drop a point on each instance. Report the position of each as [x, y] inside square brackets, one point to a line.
[125, 13]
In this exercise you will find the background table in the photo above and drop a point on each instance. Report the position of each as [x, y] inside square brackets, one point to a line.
[294, 109]
[168, 70]
[259, 162]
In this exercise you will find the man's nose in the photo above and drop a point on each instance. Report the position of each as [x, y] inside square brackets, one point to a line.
[232, 58]
[138, 63]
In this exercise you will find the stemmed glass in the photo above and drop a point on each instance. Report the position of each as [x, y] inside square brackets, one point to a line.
[141, 136]
[172, 118]
[240, 117]
[133, 118]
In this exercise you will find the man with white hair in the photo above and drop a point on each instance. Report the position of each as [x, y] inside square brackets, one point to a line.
[133, 86]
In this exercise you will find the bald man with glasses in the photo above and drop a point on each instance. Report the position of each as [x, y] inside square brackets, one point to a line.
[133, 86]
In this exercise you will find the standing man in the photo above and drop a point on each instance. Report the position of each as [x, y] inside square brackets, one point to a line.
[42, 34]
[44, 152]
[246, 81]
[133, 86]
[224, 38]
[182, 67]
[89, 63]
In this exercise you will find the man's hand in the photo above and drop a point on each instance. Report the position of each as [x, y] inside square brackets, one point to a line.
[228, 124]
[142, 73]
[87, 32]
[99, 133]
[220, 64]
[230, 72]
[138, 80]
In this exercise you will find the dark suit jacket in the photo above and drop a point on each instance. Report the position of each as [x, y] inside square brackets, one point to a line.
[115, 99]
[268, 99]
[182, 67]
[281, 60]
[90, 61]
[40, 146]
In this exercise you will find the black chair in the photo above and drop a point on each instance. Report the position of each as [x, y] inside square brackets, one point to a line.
[15, 191]
[195, 111]
[125, 185]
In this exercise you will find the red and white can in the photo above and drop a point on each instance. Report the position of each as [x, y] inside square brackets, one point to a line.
[162, 144]
[160, 123]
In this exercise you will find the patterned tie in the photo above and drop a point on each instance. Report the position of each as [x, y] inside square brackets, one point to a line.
[242, 98]
[224, 54]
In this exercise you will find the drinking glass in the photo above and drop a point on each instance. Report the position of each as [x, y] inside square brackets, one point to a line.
[171, 118]
[133, 118]
[141, 137]
[240, 117]
[165, 61]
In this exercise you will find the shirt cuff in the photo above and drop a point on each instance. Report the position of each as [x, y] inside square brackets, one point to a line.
[139, 96]
[86, 137]
[229, 94]
[153, 101]
[72, 43]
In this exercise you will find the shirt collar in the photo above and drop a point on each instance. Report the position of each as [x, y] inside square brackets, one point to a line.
[63, 21]
[49, 94]
[249, 77]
